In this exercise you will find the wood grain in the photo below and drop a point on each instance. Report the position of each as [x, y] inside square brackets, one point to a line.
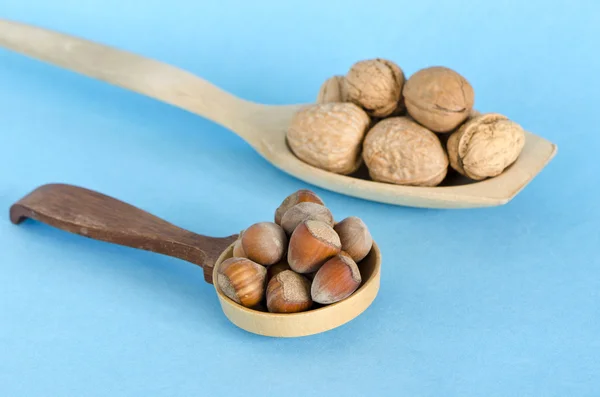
[94, 215]
[261, 126]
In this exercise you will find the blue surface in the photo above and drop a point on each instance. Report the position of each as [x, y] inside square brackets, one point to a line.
[492, 302]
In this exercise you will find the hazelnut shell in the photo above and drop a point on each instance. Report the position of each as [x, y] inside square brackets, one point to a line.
[336, 280]
[277, 268]
[305, 211]
[242, 281]
[300, 196]
[288, 292]
[238, 250]
[355, 237]
[311, 245]
[264, 243]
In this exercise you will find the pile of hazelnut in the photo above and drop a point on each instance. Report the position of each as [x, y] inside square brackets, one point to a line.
[301, 260]
[407, 132]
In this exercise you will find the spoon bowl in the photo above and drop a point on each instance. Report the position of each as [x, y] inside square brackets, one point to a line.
[262, 126]
[311, 321]
[94, 215]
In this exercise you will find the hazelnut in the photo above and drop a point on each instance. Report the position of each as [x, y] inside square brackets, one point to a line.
[438, 98]
[288, 292]
[303, 212]
[398, 150]
[375, 85]
[242, 281]
[485, 146]
[355, 237]
[311, 244]
[336, 280]
[332, 90]
[238, 250]
[329, 136]
[264, 243]
[301, 196]
[277, 268]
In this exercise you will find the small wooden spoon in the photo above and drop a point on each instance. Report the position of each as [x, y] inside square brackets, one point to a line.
[263, 127]
[100, 217]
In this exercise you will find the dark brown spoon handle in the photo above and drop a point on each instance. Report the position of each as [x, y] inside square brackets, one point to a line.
[94, 215]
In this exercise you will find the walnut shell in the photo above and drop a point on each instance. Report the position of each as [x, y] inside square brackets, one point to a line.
[444, 137]
[474, 113]
[332, 90]
[438, 98]
[375, 85]
[485, 146]
[398, 150]
[329, 136]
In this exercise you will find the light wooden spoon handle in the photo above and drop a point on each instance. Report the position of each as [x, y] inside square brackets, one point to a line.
[133, 72]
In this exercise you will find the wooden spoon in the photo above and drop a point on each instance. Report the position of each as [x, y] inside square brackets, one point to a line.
[262, 126]
[100, 217]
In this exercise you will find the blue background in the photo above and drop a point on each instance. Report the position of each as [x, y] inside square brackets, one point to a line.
[498, 302]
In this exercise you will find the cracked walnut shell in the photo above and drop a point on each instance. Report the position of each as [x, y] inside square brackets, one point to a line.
[485, 146]
[438, 98]
[329, 136]
[375, 85]
[398, 150]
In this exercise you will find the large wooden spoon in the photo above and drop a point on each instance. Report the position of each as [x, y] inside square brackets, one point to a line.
[262, 126]
[104, 218]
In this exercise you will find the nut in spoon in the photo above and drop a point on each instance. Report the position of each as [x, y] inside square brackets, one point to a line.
[104, 218]
[264, 127]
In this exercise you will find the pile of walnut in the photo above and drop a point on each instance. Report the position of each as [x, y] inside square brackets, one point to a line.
[302, 258]
[407, 132]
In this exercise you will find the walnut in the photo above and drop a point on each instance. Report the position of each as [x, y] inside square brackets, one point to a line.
[474, 113]
[329, 136]
[438, 98]
[485, 146]
[398, 150]
[332, 90]
[375, 85]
